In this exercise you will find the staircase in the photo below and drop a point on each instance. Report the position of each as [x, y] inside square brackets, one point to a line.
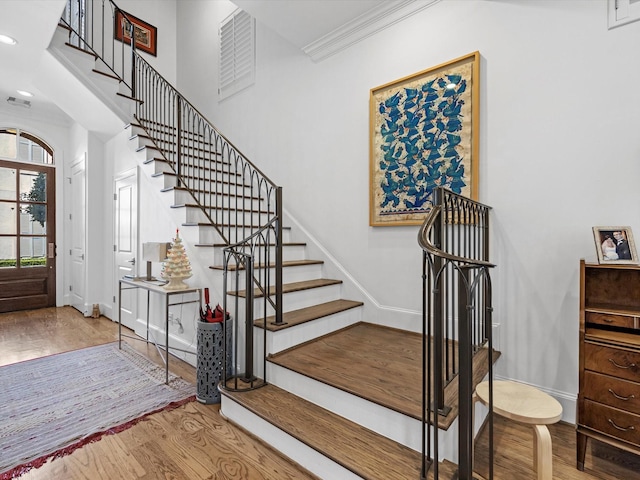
[334, 393]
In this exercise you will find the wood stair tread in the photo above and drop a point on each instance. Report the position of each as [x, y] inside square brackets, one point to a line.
[106, 74]
[231, 208]
[129, 97]
[222, 245]
[233, 184]
[227, 226]
[362, 451]
[331, 359]
[303, 315]
[80, 49]
[291, 287]
[286, 263]
[224, 194]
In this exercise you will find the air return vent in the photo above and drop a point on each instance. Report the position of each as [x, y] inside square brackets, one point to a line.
[18, 102]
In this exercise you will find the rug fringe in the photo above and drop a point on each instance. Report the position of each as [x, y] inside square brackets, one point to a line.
[94, 437]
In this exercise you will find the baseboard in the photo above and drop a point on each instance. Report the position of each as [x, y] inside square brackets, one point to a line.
[177, 345]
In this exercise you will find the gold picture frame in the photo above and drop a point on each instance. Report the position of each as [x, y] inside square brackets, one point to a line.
[424, 133]
[615, 244]
[145, 34]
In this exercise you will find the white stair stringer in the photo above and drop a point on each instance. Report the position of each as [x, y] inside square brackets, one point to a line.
[82, 65]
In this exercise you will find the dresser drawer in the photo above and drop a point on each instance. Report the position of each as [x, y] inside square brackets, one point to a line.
[610, 319]
[612, 422]
[612, 361]
[612, 391]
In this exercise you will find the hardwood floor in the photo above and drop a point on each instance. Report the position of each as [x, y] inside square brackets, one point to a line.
[195, 442]
[189, 443]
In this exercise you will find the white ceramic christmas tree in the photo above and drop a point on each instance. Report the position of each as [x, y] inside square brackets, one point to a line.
[177, 266]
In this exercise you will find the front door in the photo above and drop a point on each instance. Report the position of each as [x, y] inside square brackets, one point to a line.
[27, 236]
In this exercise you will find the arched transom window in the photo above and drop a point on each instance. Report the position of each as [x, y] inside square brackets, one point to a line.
[16, 144]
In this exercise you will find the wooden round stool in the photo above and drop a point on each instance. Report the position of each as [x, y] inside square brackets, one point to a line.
[526, 404]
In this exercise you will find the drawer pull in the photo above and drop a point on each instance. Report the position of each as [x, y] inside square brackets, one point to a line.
[621, 366]
[608, 320]
[620, 397]
[622, 429]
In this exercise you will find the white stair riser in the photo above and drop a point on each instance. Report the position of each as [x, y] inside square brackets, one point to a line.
[155, 167]
[291, 301]
[391, 424]
[289, 252]
[225, 198]
[142, 141]
[290, 274]
[289, 337]
[209, 235]
[180, 197]
[196, 215]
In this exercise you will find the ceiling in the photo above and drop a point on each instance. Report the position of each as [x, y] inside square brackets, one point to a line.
[33, 22]
[303, 22]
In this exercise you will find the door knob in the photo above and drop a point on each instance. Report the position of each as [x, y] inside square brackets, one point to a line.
[132, 261]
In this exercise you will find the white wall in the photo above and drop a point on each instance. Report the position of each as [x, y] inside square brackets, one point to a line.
[558, 151]
[162, 15]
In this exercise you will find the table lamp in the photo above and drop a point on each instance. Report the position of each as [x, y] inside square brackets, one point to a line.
[154, 252]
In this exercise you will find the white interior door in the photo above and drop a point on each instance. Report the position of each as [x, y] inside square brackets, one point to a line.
[126, 242]
[78, 237]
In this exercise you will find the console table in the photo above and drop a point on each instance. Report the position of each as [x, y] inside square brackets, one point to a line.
[167, 295]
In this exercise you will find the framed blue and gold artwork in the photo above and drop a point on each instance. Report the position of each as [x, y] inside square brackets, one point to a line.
[424, 134]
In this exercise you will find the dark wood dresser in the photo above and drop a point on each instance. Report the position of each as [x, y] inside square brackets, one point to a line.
[609, 397]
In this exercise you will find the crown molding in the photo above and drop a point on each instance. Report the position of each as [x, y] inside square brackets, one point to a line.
[370, 23]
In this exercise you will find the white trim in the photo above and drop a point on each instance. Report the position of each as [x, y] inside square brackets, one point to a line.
[371, 22]
[237, 56]
[621, 12]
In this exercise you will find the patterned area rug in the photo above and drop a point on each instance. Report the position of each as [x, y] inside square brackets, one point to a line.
[52, 405]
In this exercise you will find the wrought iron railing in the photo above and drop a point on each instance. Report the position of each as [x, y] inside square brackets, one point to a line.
[456, 317]
[234, 198]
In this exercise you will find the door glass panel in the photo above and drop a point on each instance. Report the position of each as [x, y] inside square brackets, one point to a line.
[8, 252]
[8, 147]
[8, 218]
[33, 219]
[7, 183]
[33, 251]
[33, 186]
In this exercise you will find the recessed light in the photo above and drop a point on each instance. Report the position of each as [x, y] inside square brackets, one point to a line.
[24, 93]
[8, 40]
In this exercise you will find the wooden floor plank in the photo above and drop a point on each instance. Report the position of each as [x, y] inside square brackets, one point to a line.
[190, 442]
[303, 315]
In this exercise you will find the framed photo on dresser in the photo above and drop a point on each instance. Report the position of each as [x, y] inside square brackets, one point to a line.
[615, 244]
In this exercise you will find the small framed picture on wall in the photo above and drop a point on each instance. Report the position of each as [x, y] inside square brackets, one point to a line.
[615, 245]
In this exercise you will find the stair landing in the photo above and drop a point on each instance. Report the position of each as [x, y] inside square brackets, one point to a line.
[380, 364]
